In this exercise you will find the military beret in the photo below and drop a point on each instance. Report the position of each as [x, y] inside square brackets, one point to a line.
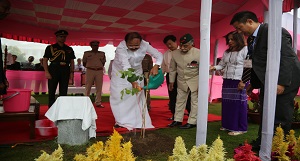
[94, 41]
[61, 32]
[186, 38]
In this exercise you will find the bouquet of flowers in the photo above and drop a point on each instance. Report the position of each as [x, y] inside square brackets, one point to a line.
[254, 98]
[296, 112]
[245, 152]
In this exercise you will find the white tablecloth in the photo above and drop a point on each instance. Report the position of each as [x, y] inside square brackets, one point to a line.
[74, 107]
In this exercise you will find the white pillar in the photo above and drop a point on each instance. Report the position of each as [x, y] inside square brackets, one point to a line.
[205, 22]
[273, 62]
[295, 26]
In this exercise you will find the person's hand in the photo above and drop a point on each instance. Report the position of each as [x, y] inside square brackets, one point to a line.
[48, 75]
[249, 90]
[241, 85]
[154, 70]
[2, 86]
[171, 86]
[135, 84]
[280, 89]
[212, 68]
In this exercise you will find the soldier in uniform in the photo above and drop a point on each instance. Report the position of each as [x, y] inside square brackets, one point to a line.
[61, 67]
[184, 62]
[94, 62]
[147, 65]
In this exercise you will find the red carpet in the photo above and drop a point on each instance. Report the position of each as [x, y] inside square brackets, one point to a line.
[18, 132]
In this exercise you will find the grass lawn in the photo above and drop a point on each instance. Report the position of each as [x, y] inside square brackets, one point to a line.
[28, 153]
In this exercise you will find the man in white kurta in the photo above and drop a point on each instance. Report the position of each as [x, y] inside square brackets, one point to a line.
[185, 62]
[128, 110]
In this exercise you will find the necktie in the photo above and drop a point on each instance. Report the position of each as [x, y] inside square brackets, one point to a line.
[247, 71]
[251, 42]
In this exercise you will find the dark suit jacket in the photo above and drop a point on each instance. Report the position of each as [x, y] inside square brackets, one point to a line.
[15, 66]
[289, 71]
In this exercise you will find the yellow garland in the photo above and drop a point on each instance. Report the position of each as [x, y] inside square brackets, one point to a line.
[113, 150]
[297, 149]
[278, 139]
[215, 153]
[57, 155]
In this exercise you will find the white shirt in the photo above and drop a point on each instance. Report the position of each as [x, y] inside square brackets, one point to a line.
[232, 63]
[79, 66]
[166, 61]
[126, 58]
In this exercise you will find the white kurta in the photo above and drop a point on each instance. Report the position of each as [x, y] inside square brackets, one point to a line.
[128, 111]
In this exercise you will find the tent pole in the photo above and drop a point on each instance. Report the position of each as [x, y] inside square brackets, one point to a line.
[205, 23]
[295, 26]
[273, 61]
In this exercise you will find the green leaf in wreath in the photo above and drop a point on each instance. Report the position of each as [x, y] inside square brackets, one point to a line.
[134, 91]
[131, 69]
[141, 78]
[123, 75]
[127, 91]
[133, 78]
[122, 94]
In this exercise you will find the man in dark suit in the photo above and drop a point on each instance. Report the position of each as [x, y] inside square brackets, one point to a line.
[288, 78]
[15, 65]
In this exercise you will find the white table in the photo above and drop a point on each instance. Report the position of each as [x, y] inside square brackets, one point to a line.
[74, 107]
[74, 89]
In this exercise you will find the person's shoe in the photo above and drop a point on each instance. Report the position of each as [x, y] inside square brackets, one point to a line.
[175, 123]
[117, 126]
[171, 118]
[36, 93]
[222, 129]
[234, 133]
[187, 126]
[99, 105]
[255, 144]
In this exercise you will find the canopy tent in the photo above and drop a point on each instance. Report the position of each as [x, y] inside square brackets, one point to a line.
[109, 20]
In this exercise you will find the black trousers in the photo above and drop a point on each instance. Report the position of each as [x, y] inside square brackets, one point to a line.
[173, 95]
[60, 75]
[283, 112]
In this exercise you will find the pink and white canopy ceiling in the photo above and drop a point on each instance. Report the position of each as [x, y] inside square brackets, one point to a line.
[109, 20]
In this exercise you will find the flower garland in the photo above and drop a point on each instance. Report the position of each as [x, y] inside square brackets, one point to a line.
[215, 153]
[112, 150]
[57, 155]
[285, 148]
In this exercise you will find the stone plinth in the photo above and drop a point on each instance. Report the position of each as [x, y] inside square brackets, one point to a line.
[71, 133]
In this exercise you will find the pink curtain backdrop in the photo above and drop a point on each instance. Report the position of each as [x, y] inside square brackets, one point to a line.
[36, 81]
